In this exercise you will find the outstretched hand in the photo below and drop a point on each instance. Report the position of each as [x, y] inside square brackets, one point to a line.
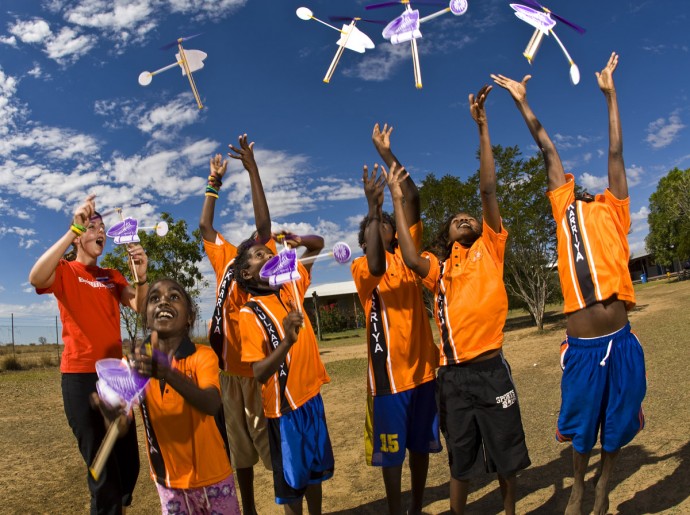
[382, 139]
[477, 104]
[395, 177]
[518, 90]
[245, 153]
[373, 186]
[83, 214]
[218, 166]
[605, 77]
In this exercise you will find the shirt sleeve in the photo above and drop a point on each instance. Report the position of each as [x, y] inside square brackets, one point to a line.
[219, 253]
[57, 287]
[365, 281]
[430, 282]
[253, 336]
[207, 369]
[562, 197]
[495, 242]
[621, 207]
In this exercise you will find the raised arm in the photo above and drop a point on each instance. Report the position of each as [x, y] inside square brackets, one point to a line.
[312, 244]
[411, 202]
[262, 216]
[268, 366]
[618, 183]
[42, 274]
[487, 166]
[518, 90]
[395, 177]
[218, 167]
[374, 250]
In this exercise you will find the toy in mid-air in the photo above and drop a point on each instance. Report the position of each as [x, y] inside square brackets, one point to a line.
[406, 27]
[350, 37]
[189, 60]
[282, 268]
[542, 19]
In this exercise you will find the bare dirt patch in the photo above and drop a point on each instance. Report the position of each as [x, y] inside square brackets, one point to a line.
[43, 472]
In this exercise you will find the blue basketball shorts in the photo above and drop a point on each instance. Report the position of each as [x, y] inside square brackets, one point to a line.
[301, 452]
[602, 388]
[400, 421]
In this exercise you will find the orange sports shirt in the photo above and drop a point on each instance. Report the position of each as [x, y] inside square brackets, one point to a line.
[221, 254]
[301, 376]
[400, 346]
[89, 302]
[593, 250]
[470, 299]
[184, 445]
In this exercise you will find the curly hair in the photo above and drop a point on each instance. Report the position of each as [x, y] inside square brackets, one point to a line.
[242, 262]
[191, 305]
[385, 217]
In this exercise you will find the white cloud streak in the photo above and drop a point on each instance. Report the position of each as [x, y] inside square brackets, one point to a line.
[664, 131]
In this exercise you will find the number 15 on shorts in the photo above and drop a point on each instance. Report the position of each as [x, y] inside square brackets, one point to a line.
[389, 442]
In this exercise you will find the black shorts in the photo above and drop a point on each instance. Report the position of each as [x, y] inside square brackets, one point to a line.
[480, 419]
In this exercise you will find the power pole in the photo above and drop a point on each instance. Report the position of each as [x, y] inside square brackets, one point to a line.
[14, 354]
[57, 341]
[316, 315]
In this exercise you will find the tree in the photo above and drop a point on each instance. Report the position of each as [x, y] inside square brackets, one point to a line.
[175, 255]
[42, 340]
[669, 218]
[530, 275]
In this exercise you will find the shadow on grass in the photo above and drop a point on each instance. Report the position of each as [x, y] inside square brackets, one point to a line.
[665, 494]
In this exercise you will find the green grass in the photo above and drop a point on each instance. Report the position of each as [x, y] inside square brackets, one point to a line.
[343, 338]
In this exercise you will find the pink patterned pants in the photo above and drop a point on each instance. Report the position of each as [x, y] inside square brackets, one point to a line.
[220, 498]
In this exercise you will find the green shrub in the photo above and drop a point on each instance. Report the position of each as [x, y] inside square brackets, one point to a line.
[332, 319]
[11, 363]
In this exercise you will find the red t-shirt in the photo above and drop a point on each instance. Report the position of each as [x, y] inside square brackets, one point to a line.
[89, 302]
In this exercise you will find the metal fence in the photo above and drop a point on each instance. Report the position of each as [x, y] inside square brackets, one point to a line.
[27, 330]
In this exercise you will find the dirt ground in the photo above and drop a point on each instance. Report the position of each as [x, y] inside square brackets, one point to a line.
[42, 471]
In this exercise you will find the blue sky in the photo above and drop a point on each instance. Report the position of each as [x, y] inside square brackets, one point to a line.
[74, 120]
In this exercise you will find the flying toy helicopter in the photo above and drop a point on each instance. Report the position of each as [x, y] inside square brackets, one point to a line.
[350, 37]
[542, 19]
[406, 26]
[189, 60]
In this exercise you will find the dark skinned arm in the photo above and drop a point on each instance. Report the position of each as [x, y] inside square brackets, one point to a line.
[411, 202]
[554, 166]
[264, 369]
[413, 260]
[374, 250]
[487, 166]
[218, 167]
[618, 182]
[262, 216]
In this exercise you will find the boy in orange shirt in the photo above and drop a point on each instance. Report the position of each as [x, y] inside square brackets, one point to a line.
[401, 386]
[241, 394]
[279, 342]
[478, 403]
[604, 380]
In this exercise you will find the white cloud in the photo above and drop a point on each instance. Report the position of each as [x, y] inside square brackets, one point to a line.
[592, 183]
[663, 131]
[68, 46]
[31, 31]
[380, 65]
[564, 142]
[161, 120]
[8, 40]
[9, 107]
[25, 235]
[634, 175]
[37, 72]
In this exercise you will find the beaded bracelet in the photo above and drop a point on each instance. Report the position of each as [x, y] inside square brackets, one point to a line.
[214, 180]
